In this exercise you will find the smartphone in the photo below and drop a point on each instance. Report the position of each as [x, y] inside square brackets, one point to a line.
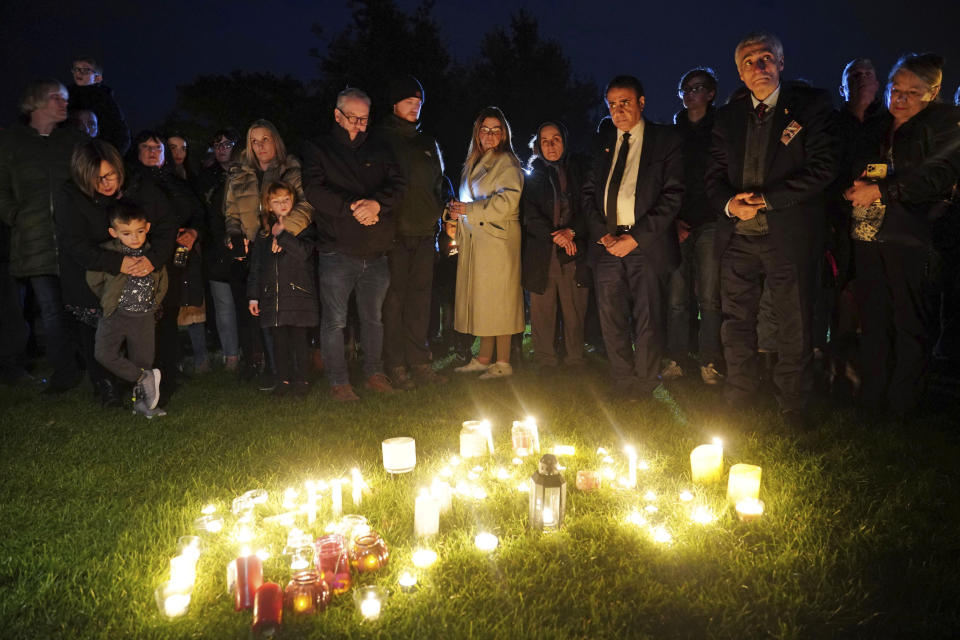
[876, 171]
[238, 250]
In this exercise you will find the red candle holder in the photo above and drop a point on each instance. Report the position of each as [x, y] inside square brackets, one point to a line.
[307, 593]
[249, 572]
[267, 609]
[369, 553]
[333, 565]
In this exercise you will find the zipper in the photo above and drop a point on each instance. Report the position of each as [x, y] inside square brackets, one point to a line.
[276, 272]
[297, 287]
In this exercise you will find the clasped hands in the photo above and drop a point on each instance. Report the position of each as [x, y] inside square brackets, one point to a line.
[862, 193]
[746, 205]
[455, 209]
[563, 238]
[137, 266]
[618, 246]
[366, 211]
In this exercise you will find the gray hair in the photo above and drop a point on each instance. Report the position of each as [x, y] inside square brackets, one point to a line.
[36, 94]
[351, 93]
[759, 37]
[926, 66]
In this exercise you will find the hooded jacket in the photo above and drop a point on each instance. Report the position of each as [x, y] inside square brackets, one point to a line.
[283, 282]
[418, 156]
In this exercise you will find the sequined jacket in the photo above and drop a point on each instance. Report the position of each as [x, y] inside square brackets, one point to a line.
[109, 286]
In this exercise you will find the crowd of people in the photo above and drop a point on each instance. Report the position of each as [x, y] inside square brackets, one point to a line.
[745, 241]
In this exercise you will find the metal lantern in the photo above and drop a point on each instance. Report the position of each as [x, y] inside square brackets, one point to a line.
[548, 495]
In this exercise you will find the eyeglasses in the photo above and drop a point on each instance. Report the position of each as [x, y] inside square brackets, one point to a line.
[151, 148]
[83, 70]
[224, 145]
[911, 95]
[108, 177]
[360, 120]
[695, 89]
[491, 131]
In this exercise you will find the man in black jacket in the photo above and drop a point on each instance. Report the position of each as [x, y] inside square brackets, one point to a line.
[354, 184]
[773, 158]
[89, 94]
[631, 199]
[406, 311]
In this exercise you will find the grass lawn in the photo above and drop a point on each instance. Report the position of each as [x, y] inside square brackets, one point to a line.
[860, 539]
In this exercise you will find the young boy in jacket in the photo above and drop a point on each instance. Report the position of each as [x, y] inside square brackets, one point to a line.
[129, 306]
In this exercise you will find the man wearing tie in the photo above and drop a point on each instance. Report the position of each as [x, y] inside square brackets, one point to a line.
[772, 158]
[631, 198]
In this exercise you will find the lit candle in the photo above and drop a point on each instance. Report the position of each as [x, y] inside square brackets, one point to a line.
[564, 450]
[441, 490]
[702, 515]
[249, 577]
[336, 494]
[370, 608]
[190, 546]
[267, 610]
[356, 484]
[172, 600]
[426, 515]
[631, 466]
[749, 510]
[209, 524]
[290, 498]
[423, 558]
[524, 437]
[686, 496]
[587, 480]
[661, 535]
[369, 601]
[399, 454]
[486, 542]
[209, 509]
[476, 439]
[706, 463]
[407, 581]
[183, 571]
[744, 482]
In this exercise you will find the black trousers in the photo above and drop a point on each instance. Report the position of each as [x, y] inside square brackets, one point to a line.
[895, 319]
[630, 289]
[406, 309]
[747, 265]
[292, 353]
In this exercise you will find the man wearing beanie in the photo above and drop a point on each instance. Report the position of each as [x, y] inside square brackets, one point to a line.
[406, 310]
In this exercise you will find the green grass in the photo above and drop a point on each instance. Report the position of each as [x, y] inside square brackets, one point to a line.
[860, 538]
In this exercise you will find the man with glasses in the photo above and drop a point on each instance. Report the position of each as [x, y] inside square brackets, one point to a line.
[89, 94]
[34, 163]
[354, 184]
[773, 157]
[698, 276]
[631, 200]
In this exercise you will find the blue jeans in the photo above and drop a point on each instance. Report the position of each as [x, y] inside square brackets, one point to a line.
[61, 345]
[226, 315]
[340, 275]
[699, 274]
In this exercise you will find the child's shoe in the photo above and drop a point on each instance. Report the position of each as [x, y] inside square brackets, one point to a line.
[148, 388]
[140, 407]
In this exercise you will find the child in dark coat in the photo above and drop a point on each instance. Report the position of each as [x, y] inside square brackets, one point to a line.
[281, 289]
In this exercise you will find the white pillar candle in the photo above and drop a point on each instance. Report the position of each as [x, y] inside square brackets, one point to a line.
[442, 492]
[356, 485]
[475, 439]
[750, 509]
[706, 463]
[426, 515]
[399, 454]
[744, 482]
[631, 466]
[336, 495]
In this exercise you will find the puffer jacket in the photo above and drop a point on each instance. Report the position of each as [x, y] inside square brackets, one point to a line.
[245, 185]
[32, 170]
[283, 282]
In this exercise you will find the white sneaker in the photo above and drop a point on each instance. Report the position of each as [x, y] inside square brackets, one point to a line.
[497, 370]
[472, 366]
[671, 371]
[143, 409]
[150, 387]
[710, 375]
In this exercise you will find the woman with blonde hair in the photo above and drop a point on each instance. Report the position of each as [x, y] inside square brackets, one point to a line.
[489, 302]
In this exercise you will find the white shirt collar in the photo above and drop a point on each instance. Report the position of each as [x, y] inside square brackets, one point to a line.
[770, 100]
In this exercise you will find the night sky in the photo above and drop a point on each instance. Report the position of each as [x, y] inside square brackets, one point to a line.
[147, 48]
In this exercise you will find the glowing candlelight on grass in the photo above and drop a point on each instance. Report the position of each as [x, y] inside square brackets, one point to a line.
[356, 484]
[744, 482]
[336, 496]
[502, 474]
[455, 461]
[190, 546]
[172, 600]
[369, 553]
[750, 509]
[601, 451]
[631, 466]
[636, 518]
[423, 558]
[243, 533]
[183, 571]
[289, 498]
[651, 508]
[473, 475]
[407, 581]
[607, 460]
[307, 593]
[479, 493]
[426, 514]
[525, 437]
[257, 496]
[706, 463]
[642, 465]
[686, 496]
[517, 461]
[486, 542]
[476, 439]
[442, 493]
[399, 454]
[702, 515]
[608, 473]
[263, 554]
[209, 509]
[523, 487]
[564, 450]
[369, 601]
[650, 496]
[587, 480]
[661, 535]
[311, 501]
[209, 524]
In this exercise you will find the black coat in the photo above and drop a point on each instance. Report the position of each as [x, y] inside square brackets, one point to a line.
[99, 99]
[696, 209]
[536, 212]
[210, 185]
[82, 227]
[657, 199]
[797, 173]
[283, 283]
[337, 172]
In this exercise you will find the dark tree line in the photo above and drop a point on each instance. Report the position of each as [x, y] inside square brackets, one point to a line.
[528, 76]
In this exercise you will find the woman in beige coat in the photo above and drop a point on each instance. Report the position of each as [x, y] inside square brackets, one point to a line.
[489, 302]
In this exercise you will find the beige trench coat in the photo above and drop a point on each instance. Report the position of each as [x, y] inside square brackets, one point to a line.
[489, 301]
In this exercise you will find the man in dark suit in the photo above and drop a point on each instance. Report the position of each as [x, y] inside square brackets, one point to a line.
[772, 159]
[631, 198]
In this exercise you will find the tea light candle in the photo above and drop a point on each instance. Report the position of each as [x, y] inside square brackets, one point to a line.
[209, 509]
[426, 515]
[706, 463]
[423, 558]
[744, 482]
[407, 581]
[369, 601]
[172, 600]
[631, 466]
[443, 493]
[476, 439]
[749, 510]
[486, 542]
[336, 496]
[399, 454]
[588, 480]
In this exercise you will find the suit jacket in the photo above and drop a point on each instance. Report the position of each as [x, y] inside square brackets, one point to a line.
[797, 173]
[657, 200]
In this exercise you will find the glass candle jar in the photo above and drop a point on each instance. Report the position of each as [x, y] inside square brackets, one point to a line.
[369, 601]
[307, 593]
[267, 610]
[369, 553]
[333, 563]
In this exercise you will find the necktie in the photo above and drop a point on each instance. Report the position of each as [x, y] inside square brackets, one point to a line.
[614, 189]
[760, 109]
